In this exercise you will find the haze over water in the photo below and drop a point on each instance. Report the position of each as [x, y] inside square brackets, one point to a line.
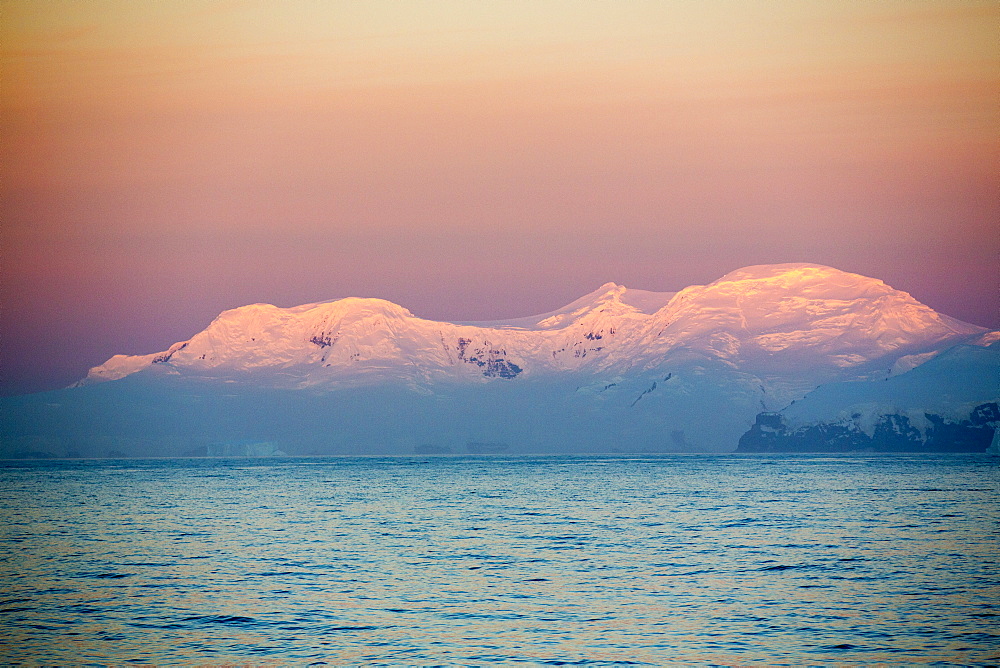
[651, 559]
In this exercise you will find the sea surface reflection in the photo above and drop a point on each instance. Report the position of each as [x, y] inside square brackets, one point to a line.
[472, 560]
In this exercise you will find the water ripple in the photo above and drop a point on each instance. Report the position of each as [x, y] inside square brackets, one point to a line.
[546, 561]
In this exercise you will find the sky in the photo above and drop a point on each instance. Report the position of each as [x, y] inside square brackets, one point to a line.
[162, 162]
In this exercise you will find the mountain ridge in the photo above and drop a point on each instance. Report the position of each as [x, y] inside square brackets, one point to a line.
[755, 317]
[616, 370]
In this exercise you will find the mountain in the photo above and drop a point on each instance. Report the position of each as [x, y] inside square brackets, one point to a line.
[777, 320]
[616, 369]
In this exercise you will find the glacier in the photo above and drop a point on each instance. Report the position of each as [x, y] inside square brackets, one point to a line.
[616, 370]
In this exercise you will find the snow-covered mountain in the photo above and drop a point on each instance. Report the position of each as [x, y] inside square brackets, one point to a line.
[782, 321]
[616, 369]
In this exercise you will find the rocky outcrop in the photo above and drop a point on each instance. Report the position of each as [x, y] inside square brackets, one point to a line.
[891, 433]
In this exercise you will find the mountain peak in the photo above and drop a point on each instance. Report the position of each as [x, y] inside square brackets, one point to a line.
[797, 314]
[364, 306]
[796, 274]
[606, 299]
[611, 286]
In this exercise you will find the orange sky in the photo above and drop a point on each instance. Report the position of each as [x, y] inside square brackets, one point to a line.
[163, 161]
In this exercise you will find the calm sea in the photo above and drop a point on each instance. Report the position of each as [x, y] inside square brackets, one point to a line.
[656, 560]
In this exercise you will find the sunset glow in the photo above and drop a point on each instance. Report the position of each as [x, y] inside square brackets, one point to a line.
[162, 162]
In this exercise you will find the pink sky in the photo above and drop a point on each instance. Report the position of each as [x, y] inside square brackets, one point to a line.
[162, 162]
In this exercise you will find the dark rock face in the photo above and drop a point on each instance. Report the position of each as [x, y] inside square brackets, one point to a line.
[893, 433]
[501, 368]
[491, 360]
[165, 357]
[323, 341]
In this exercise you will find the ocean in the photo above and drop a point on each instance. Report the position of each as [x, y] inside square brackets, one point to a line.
[481, 559]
